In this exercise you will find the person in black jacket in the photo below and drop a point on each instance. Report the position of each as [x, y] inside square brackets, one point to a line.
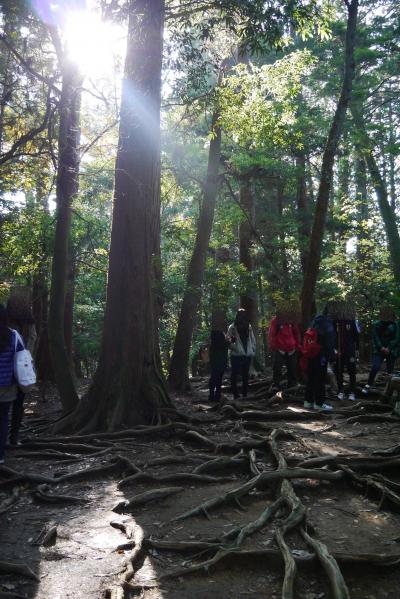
[218, 362]
[317, 366]
[347, 331]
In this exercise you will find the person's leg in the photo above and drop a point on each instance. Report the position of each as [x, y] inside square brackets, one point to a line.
[4, 411]
[352, 370]
[245, 374]
[376, 364]
[236, 365]
[218, 383]
[339, 370]
[320, 380]
[211, 385]
[16, 417]
[291, 366]
[277, 368]
[309, 392]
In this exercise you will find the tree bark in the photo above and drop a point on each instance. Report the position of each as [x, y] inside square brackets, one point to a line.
[303, 213]
[321, 207]
[387, 213]
[67, 188]
[248, 296]
[128, 386]
[178, 374]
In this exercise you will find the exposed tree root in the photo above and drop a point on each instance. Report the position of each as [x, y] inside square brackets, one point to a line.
[284, 415]
[7, 503]
[145, 498]
[41, 494]
[371, 483]
[169, 478]
[19, 569]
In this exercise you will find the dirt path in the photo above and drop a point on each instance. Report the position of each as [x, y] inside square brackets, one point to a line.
[88, 557]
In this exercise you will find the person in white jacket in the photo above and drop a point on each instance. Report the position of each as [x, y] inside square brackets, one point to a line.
[243, 348]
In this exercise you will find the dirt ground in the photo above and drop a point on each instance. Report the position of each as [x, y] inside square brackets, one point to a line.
[90, 546]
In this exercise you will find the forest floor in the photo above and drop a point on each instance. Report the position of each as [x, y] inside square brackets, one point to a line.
[305, 489]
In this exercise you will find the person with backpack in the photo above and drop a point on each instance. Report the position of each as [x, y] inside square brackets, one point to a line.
[23, 323]
[218, 363]
[347, 331]
[284, 340]
[317, 351]
[10, 343]
[386, 345]
[242, 344]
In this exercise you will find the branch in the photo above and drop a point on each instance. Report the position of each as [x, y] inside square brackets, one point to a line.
[28, 136]
[48, 81]
[88, 146]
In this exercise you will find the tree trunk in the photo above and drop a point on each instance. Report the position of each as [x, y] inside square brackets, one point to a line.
[178, 374]
[128, 386]
[69, 310]
[67, 188]
[303, 213]
[321, 207]
[387, 213]
[248, 297]
[281, 228]
[40, 305]
[392, 165]
[362, 207]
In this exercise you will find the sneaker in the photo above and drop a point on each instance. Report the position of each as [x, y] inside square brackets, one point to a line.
[352, 397]
[365, 390]
[15, 444]
[325, 407]
[2, 461]
[308, 404]
[340, 396]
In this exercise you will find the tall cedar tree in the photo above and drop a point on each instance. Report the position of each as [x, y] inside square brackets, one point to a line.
[321, 206]
[178, 374]
[67, 188]
[128, 387]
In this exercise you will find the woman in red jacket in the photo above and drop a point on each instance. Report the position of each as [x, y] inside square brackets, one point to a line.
[284, 341]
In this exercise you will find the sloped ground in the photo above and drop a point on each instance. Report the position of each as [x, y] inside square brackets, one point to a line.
[149, 548]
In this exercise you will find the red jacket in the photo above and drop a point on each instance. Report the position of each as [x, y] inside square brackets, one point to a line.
[285, 337]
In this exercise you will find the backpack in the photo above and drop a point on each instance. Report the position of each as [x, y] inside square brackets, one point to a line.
[24, 370]
[310, 347]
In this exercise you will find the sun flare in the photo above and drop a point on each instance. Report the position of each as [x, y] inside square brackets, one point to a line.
[95, 45]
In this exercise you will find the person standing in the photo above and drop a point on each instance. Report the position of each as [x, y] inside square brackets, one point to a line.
[24, 324]
[320, 338]
[243, 348]
[346, 348]
[385, 343]
[218, 363]
[284, 341]
[9, 344]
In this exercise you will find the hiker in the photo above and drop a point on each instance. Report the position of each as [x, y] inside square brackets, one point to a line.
[284, 341]
[9, 344]
[218, 363]
[243, 348]
[23, 323]
[318, 350]
[386, 345]
[347, 331]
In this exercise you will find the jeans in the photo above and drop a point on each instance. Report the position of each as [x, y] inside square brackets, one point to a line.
[16, 416]
[348, 362]
[4, 411]
[290, 361]
[316, 377]
[215, 383]
[377, 360]
[240, 366]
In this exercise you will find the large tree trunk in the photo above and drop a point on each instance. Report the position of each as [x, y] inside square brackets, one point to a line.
[128, 387]
[303, 212]
[69, 310]
[321, 206]
[67, 188]
[248, 296]
[387, 213]
[178, 374]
